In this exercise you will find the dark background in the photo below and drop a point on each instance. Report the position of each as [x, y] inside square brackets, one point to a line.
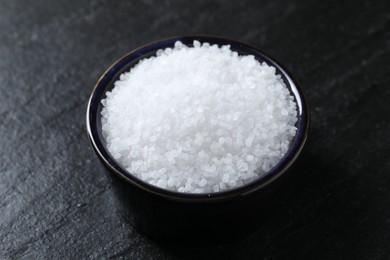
[55, 199]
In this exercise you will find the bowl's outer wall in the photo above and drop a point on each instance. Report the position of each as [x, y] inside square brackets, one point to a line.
[183, 221]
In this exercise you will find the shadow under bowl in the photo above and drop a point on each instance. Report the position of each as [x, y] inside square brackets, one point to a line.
[166, 214]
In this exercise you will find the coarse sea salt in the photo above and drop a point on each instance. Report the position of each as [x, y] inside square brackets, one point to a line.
[199, 119]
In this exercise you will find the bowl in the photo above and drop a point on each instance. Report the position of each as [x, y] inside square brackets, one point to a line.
[164, 214]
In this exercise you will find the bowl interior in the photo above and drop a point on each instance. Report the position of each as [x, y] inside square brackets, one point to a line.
[106, 83]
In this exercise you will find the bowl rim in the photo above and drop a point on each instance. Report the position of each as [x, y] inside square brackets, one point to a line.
[278, 170]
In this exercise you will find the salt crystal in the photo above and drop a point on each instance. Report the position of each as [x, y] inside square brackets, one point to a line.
[199, 119]
[249, 158]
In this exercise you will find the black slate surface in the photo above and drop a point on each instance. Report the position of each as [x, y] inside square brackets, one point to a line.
[55, 200]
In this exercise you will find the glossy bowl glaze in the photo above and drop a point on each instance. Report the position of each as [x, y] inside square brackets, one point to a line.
[168, 214]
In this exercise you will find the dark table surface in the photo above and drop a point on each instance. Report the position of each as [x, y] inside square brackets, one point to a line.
[55, 199]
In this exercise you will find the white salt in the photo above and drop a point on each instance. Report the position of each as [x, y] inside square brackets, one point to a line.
[199, 119]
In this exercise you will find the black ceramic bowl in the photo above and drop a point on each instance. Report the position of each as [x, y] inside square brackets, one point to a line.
[163, 213]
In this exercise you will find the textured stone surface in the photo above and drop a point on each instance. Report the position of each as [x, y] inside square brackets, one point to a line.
[55, 200]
